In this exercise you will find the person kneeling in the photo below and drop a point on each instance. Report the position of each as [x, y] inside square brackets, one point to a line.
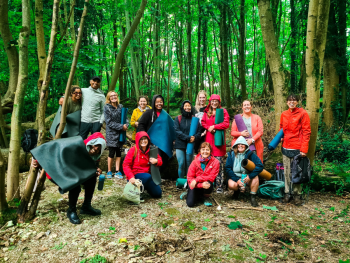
[137, 164]
[235, 171]
[201, 176]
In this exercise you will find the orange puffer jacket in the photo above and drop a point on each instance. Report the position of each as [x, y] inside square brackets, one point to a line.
[296, 129]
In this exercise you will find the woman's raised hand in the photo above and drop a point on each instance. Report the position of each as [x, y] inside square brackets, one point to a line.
[153, 160]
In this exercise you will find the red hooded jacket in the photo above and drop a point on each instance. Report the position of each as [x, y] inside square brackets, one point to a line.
[91, 137]
[140, 163]
[195, 171]
[296, 129]
[209, 121]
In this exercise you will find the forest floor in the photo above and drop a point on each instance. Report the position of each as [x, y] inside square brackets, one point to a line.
[166, 230]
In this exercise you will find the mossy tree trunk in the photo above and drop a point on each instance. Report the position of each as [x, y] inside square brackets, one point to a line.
[315, 48]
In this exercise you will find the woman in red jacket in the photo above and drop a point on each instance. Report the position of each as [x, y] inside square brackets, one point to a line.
[137, 164]
[201, 175]
[255, 129]
[295, 123]
[208, 123]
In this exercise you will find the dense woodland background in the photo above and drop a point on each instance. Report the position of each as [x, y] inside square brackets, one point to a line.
[261, 50]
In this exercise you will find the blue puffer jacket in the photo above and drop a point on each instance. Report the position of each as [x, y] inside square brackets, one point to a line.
[231, 160]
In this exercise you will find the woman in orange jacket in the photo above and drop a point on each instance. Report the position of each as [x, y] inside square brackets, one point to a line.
[255, 129]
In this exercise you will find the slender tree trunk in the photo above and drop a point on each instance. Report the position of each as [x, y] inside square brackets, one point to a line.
[226, 87]
[242, 50]
[330, 74]
[4, 140]
[3, 203]
[189, 49]
[170, 59]
[72, 28]
[125, 44]
[156, 48]
[32, 175]
[179, 41]
[198, 62]
[293, 50]
[16, 119]
[12, 55]
[278, 73]
[72, 72]
[315, 46]
[40, 39]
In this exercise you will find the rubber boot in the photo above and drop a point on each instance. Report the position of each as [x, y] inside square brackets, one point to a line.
[297, 200]
[253, 200]
[286, 198]
[72, 215]
[87, 209]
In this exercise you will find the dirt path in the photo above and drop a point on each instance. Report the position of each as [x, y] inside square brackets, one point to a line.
[166, 230]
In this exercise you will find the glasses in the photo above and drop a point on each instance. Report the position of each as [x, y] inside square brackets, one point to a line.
[77, 93]
[114, 96]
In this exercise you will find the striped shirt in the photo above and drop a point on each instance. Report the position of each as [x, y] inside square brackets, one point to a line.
[93, 102]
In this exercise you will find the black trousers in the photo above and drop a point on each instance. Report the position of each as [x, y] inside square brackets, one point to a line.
[86, 128]
[73, 194]
[195, 194]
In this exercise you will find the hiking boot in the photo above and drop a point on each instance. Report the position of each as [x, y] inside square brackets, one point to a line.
[219, 190]
[235, 195]
[297, 200]
[286, 198]
[89, 210]
[72, 216]
[253, 200]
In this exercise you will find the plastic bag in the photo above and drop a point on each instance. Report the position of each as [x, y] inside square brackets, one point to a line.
[132, 191]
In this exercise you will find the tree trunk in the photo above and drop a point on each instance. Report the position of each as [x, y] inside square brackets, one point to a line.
[330, 74]
[189, 50]
[125, 44]
[72, 27]
[3, 203]
[242, 50]
[293, 49]
[226, 88]
[41, 121]
[72, 72]
[179, 52]
[278, 73]
[40, 39]
[198, 62]
[16, 119]
[11, 52]
[315, 47]
[3, 137]
[156, 48]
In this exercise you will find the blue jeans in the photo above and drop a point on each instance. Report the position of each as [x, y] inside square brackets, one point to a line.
[184, 161]
[152, 189]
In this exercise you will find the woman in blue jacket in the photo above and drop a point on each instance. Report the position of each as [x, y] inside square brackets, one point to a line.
[235, 171]
[182, 126]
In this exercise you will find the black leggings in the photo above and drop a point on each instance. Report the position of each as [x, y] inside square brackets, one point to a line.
[73, 194]
[114, 151]
[197, 193]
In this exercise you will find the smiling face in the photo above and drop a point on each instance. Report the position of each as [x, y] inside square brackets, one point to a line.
[205, 152]
[76, 95]
[95, 150]
[143, 142]
[247, 107]
[113, 97]
[142, 103]
[241, 148]
[95, 83]
[214, 104]
[292, 103]
[202, 99]
[159, 104]
[187, 107]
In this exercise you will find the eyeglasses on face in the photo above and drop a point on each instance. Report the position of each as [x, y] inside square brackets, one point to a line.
[77, 93]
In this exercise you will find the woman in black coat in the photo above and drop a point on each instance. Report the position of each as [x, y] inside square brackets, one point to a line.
[182, 126]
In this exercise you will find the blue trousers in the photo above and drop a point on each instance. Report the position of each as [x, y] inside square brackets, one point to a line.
[184, 160]
[152, 189]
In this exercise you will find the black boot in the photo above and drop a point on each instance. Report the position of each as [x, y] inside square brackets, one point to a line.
[286, 198]
[72, 216]
[87, 209]
[253, 200]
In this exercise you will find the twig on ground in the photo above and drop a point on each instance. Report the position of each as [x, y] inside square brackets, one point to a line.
[200, 238]
[249, 208]
[219, 206]
[59, 215]
[286, 245]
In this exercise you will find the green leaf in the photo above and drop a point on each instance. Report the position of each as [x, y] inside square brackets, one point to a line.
[207, 220]
[250, 248]
[235, 225]
[272, 208]
[332, 208]
[231, 216]
[226, 248]
[344, 261]
[143, 215]
[111, 228]
[205, 228]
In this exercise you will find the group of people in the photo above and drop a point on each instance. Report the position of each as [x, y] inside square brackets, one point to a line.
[203, 169]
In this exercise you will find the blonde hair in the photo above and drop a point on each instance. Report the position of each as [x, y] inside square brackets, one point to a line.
[198, 106]
[108, 100]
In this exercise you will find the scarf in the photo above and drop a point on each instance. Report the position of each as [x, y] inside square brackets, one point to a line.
[202, 160]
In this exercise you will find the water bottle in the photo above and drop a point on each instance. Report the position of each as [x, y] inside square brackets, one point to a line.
[242, 180]
[101, 181]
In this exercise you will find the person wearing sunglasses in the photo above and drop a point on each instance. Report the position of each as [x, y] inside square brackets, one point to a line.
[93, 102]
[74, 101]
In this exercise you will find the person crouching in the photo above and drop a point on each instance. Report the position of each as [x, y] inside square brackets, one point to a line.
[137, 164]
[236, 172]
[201, 175]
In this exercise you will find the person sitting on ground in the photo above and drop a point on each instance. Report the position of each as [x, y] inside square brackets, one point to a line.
[137, 113]
[94, 145]
[201, 176]
[182, 125]
[113, 113]
[137, 164]
[235, 171]
[74, 101]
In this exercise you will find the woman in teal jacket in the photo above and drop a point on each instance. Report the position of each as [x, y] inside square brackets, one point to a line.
[235, 171]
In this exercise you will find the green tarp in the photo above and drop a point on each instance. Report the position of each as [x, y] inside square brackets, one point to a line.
[72, 126]
[219, 135]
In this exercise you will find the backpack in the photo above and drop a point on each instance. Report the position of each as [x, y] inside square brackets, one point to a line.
[29, 140]
[272, 189]
[301, 170]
